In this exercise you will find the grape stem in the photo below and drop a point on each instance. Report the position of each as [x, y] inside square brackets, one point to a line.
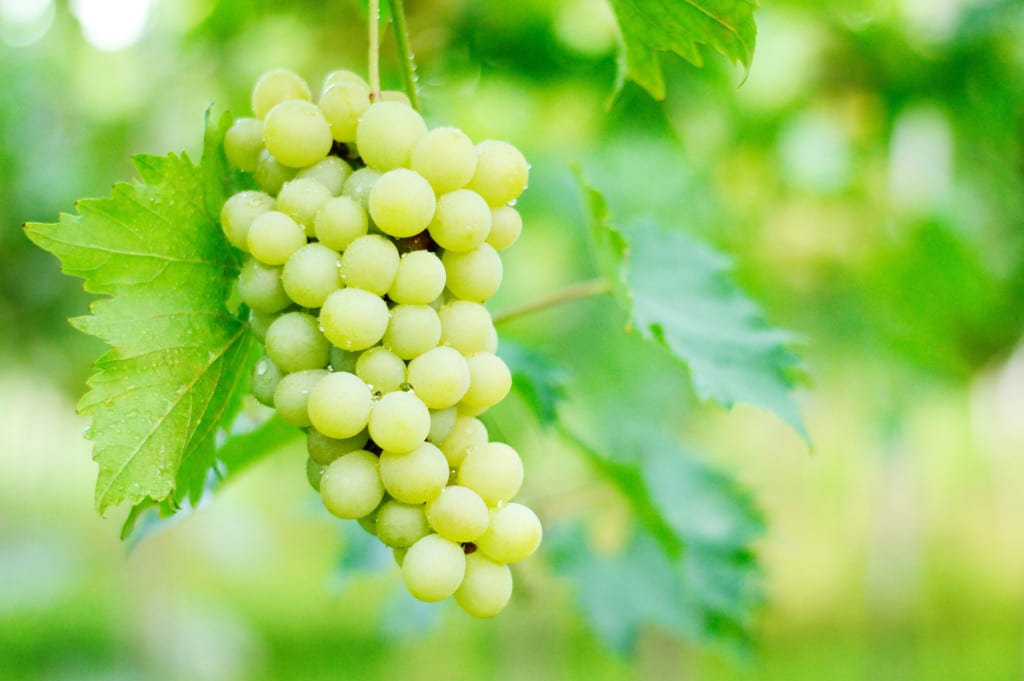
[407, 63]
[373, 62]
[577, 291]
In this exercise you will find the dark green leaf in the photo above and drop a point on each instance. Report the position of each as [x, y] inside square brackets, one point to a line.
[537, 378]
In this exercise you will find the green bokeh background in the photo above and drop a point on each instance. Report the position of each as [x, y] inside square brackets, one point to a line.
[868, 179]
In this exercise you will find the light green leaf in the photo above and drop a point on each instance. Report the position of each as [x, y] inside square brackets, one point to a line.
[176, 365]
[537, 379]
[681, 26]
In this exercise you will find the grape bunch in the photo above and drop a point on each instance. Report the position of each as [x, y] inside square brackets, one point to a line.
[370, 252]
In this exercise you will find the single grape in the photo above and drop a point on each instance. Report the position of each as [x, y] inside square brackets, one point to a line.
[402, 203]
[354, 319]
[399, 422]
[458, 513]
[339, 222]
[433, 568]
[238, 213]
[343, 76]
[264, 379]
[292, 394]
[420, 279]
[370, 263]
[401, 525]
[467, 327]
[297, 134]
[446, 158]
[343, 103]
[506, 226]
[514, 533]
[314, 473]
[493, 470]
[324, 450]
[441, 423]
[277, 86]
[294, 343]
[343, 360]
[413, 330]
[439, 377]
[259, 287]
[311, 274]
[243, 143]
[415, 476]
[467, 432]
[395, 96]
[501, 172]
[359, 185]
[273, 237]
[259, 322]
[462, 221]
[381, 369]
[270, 174]
[473, 276]
[486, 588]
[489, 380]
[300, 199]
[331, 172]
[387, 133]
[369, 521]
[351, 486]
[340, 404]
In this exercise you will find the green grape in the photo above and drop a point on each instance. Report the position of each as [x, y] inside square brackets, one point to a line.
[330, 172]
[402, 203]
[399, 422]
[467, 327]
[395, 96]
[340, 405]
[466, 433]
[339, 222]
[270, 174]
[277, 86]
[300, 199]
[359, 185]
[489, 380]
[273, 237]
[259, 287]
[354, 319]
[439, 377]
[294, 343]
[292, 394]
[324, 450]
[343, 360]
[462, 221]
[243, 143]
[381, 369]
[297, 134]
[369, 521]
[387, 133]
[473, 276]
[458, 514]
[493, 470]
[370, 263]
[351, 486]
[501, 172]
[311, 274]
[487, 587]
[400, 525]
[413, 330]
[259, 322]
[446, 158]
[506, 226]
[399, 555]
[433, 568]
[441, 423]
[343, 76]
[314, 473]
[514, 533]
[420, 279]
[238, 213]
[414, 476]
[343, 104]
[263, 381]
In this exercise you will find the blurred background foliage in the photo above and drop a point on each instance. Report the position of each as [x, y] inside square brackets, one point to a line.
[868, 179]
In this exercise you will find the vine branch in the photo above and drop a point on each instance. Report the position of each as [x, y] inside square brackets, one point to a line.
[582, 289]
[373, 62]
[407, 63]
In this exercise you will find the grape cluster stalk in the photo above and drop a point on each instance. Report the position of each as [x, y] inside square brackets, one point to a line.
[370, 252]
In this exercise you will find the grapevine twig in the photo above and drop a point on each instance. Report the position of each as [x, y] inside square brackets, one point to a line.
[577, 291]
[405, 56]
[373, 65]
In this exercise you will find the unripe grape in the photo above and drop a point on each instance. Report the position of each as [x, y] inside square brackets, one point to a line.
[506, 226]
[243, 143]
[441, 423]
[343, 104]
[339, 222]
[351, 486]
[400, 525]
[439, 377]
[370, 263]
[273, 237]
[395, 96]
[433, 568]
[297, 134]
[238, 213]
[467, 327]
[311, 274]
[514, 533]
[277, 86]
[354, 319]
[486, 588]
[420, 279]
[343, 76]
[458, 513]
[381, 369]
[359, 185]
[413, 330]
[402, 203]
[339, 405]
[446, 158]
[260, 287]
[259, 323]
[501, 172]
[414, 476]
[324, 450]
[300, 199]
[369, 521]
[387, 133]
[399, 422]
[331, 172]
[343, 360]
[292, 395]
[294, 343]
[462, 221]
[270, 174]
[466, 433]
[263, 381]
[314, 473]
[489, 380]
[493, 470]
[473, 276]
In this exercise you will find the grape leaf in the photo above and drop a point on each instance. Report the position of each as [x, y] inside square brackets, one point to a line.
[680, 26]
[537, 379]
[176, 366]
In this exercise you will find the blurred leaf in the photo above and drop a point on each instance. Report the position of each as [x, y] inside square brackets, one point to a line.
[538, 379]
[176, 367]
[253, 442]
[680, 26]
